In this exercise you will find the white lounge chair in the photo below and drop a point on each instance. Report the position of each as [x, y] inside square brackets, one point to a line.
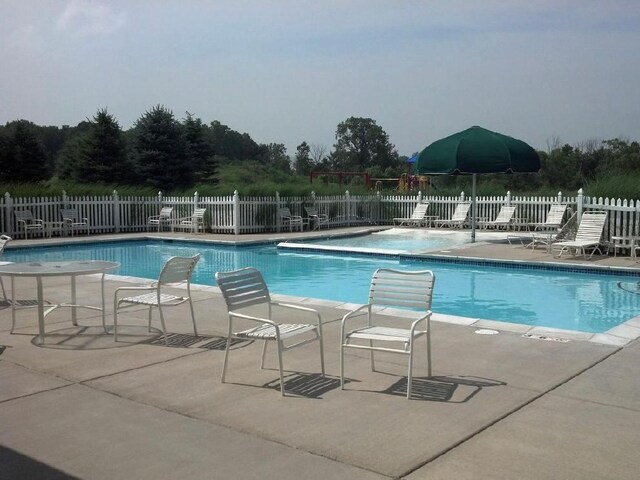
[164, 218]
[27, 223]
[287, 220]
[246, 288]
[72, 221]
[4, 239]
[589, 235]
[553, 220]
[176, 271]
[416, 219]
[318, 219]
[459, 217]
[411, 290]
[193, 223]
[503, 220]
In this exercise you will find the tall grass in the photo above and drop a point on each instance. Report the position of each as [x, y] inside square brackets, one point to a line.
[615, 186]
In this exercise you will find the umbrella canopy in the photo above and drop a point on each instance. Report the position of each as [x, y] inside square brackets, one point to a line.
[473, 151]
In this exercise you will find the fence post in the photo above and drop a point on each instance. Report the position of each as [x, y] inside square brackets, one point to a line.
[461, 196]
[236, 213]
[378, 216]
[313, 198]
[278, 219]
[559, 197]
[159, 200]
[508, 202]
[65, 199]
[8, 213]
[347, 198]
[196, 198]
[580, 204]
[116, 212]
[419, 196]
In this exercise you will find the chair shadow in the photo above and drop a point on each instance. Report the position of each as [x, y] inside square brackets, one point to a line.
[181, 340]
[308, 385]
[442, 388]
[14, 464]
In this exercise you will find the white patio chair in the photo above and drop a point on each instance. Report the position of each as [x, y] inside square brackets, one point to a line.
[27, 223]
[164, 218]
[416, 219]
[411, 290]
[553, 220]
[318, 219]
[289, 220]
[503, 220]
[193, 223]
[72, 220]
[459, 216]
[4, 239]
[246, 288]
[176, 271]
[589, 235]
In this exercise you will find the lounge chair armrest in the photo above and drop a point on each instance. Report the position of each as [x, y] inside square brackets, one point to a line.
[353, 312]
[252, 318]
[425, 317]
[300, 308]
[141, 288]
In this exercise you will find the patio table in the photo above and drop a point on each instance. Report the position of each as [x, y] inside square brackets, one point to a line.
[40, 270]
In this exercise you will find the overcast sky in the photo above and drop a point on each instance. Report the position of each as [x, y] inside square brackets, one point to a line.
[289, 71]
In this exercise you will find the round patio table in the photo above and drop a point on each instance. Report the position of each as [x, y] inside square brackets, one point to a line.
[40, 270]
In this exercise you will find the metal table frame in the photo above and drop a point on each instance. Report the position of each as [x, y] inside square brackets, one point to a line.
[72, 269]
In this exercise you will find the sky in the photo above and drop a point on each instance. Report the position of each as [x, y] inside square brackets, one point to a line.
[288, 71]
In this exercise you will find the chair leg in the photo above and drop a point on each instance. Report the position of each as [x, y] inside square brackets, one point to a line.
[410, 374]
[13, 304]
[226, 354]
[341, 367]
[4, 293]
[164, 328]
[264, 354]
[149, 319]
[115, 319]
[428, 335]
[280, 366]
[373, 365]
[193, 318]
[321, 352]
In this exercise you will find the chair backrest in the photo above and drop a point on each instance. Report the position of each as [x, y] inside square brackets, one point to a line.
[24, 215]
[178, 269]
[243, 288]
[461, 212]
[505, 214]
[4, 239]
[284, 212]
[420, 211]
[165, 212]
[199, 213]
[556, 214]
[311, 211]
[591, 226]
[70, 213]
[404, 289]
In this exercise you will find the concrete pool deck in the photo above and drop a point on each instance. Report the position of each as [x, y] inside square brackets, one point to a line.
[497, 406]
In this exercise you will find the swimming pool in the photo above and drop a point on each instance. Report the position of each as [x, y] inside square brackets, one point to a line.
[570, 300]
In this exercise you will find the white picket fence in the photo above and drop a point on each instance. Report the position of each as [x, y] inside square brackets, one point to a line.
[240, 215]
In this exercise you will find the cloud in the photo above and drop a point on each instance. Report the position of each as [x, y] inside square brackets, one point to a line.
[87, 17]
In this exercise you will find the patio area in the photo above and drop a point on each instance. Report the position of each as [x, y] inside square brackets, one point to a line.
[497, 406]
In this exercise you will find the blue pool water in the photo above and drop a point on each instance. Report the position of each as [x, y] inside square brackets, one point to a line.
[405, 240]
[559, 299]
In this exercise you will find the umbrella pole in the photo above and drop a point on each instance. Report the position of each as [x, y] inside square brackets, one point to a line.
[474, 208]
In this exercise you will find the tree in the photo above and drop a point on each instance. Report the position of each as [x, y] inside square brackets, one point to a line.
[303, 162]
[99, 154]
[27, 157]
[361, 143]
[160, 150]
[318, 153]
[275, 155]
[198, 151]
[230, 144]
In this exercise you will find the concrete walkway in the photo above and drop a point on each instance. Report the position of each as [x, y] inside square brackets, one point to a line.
[497, 406]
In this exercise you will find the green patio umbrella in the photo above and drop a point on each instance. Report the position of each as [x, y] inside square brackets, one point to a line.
[473, 151]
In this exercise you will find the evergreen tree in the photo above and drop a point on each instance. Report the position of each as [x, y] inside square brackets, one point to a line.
[160, 150]
[199, 154]
[27, 157]
[303, 162]
[99, 154]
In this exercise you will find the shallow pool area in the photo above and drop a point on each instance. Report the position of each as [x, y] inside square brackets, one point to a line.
[548, 297]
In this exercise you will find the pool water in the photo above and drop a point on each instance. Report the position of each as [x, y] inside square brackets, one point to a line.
[401, 240]
[559, 299]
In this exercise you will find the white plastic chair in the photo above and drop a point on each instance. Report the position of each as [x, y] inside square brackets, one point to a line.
[246, 288]
[589, 235]
[72, 220]
[4, 239]
[416, 219]
[399, 289]
[176, 270]
[289, 220]
[164, 218]
[194, 223]
[458, 218]
[318, 219]
[502, 220]
[27, 223]
[553, 220]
